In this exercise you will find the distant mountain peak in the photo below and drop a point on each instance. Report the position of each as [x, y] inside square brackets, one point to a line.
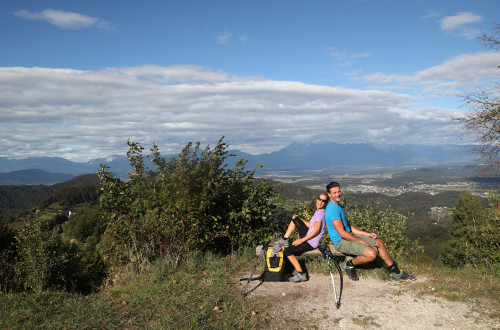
[296, 156]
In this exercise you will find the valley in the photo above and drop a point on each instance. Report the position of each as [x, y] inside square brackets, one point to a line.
[395, 181]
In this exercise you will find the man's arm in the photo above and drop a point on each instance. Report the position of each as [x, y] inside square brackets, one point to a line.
[339, 226]
[361, 232]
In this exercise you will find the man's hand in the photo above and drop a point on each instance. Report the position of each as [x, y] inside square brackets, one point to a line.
[372, 235]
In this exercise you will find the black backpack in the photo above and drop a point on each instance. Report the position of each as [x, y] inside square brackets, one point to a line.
[276, 264]
[275, 270]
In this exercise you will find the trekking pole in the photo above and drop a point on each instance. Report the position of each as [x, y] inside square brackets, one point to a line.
[249, 279]
[325, 249]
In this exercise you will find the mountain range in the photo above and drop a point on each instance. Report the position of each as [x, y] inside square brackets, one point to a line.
[296, 156]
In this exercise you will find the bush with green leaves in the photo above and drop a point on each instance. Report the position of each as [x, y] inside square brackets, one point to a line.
[387, 224]
[475, 233]
[44, 261]
[192, 202]
[7, 256]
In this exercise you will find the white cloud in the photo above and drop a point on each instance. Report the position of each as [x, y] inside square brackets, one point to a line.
[449, 78]
[345, 58]
[224, 38]
[450, 23]
[227, 37]
[89, 114]
[430, 14]
[458, 24]
[64, 19]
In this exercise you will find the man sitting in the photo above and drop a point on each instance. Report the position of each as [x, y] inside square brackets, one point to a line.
[353, 241]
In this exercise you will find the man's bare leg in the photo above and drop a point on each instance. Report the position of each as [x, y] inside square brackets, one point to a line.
[383, 253]
[368, 256]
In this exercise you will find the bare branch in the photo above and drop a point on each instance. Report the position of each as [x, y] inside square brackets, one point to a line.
[490, 41]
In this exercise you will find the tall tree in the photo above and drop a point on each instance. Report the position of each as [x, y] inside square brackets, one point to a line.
[474, 234]
[483, 121]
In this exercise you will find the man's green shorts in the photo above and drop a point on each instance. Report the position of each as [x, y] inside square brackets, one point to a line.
[355, 248]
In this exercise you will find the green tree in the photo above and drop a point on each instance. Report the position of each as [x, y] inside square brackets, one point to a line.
[188, 203]
[474, 234]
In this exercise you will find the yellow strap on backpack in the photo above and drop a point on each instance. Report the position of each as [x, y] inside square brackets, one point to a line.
[269, 255]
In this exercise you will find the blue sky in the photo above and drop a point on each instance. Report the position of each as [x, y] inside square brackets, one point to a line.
[78, 78]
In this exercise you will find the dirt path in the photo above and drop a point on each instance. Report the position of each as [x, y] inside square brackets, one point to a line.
[368, 303]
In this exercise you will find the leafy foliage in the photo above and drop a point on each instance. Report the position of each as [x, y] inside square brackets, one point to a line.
[83, 225]
[188, 203]
[474, 234]
[389, 226]
[72, 196]
[14, 199]
[43, 260]
[7, 256]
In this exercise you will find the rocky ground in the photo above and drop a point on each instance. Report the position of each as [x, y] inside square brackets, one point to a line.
[368, 303]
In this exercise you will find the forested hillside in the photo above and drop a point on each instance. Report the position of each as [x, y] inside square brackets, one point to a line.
[414, 206]
[17, 199]
[430, 229]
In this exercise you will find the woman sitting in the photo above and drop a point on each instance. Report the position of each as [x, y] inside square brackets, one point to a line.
[310, 234]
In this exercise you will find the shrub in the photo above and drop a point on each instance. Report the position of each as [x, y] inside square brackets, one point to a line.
[387, 224]
[192, 202]
[44, 261]
[7, 257]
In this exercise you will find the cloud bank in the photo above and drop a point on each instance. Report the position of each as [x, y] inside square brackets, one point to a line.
[82, 115]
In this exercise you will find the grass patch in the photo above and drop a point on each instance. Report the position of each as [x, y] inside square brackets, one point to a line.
[200, 294]
[478, 286]
[466, 283]
[365, 321]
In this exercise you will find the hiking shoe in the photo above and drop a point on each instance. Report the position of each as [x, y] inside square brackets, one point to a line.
[282, 242]
[349, 271]
[402, 277]
[298, 278]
